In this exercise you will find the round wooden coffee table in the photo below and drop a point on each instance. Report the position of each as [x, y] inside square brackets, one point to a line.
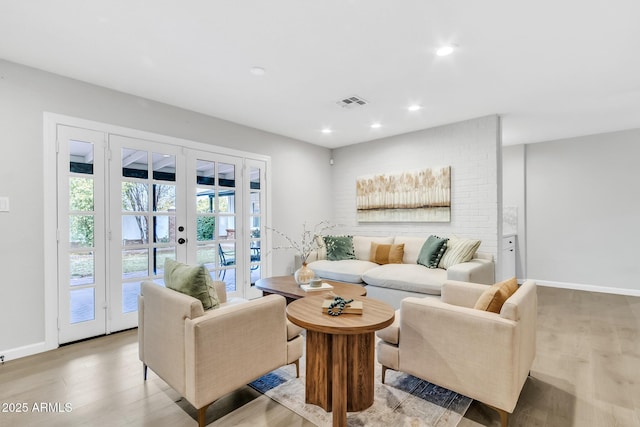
[288, 288]
[340, 354]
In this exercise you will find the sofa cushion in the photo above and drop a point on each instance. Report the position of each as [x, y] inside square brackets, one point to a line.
[348, 270]
[458, 250]
[339, 247]
[432, 251]
[192, 280]
[494, 297]
[362, 245]
[412, 247]
[407, 277]
[386, 254]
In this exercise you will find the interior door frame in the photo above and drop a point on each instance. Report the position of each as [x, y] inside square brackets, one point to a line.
[50, 232]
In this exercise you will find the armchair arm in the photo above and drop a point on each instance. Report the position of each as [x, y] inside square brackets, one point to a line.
[478, 270]
[469, 351]
[231, 346]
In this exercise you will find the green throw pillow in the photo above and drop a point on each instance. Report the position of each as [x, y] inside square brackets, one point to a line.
[339, 247]
[192, 280]
[432, 251]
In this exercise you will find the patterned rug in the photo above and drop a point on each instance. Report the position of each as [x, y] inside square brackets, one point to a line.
[403, 400]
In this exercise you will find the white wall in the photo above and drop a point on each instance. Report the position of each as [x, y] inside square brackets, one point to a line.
[26, 93]
[469, 147]
[583, 211]
[513, 195]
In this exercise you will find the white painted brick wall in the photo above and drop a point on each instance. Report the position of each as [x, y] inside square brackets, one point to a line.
[469, 147]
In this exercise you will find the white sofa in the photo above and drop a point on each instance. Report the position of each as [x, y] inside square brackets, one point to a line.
[394, 282]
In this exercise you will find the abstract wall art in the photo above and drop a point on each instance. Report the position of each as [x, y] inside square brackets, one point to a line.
[413, 196]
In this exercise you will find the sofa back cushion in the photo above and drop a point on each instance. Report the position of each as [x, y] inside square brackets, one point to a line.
[386, 254]
[362, 245]
[412, 247]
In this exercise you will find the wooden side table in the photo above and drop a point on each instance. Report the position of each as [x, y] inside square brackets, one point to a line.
[340, 354]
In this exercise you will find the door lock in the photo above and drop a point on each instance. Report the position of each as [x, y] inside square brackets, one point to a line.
[181, 228]
[181, 241]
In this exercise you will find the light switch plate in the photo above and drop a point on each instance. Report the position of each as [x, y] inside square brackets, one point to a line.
[4, 204]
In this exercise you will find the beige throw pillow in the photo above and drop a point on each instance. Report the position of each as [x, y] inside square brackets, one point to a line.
[458, 250]
[386, 254]
[494, 297]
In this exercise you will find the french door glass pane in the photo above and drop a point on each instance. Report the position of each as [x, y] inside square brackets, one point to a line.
[164, 198]
[135, 197]
[206, 225]
[159, 256]
[205, 172]
[164, 167]
[164, 229]
[226, 175]
[135, 263]
[206, 254]
[227, 253]
[205, 200]
[130, 292]
[81, 231]
[135, 163]
[82, 305]
[227, 201]
[254, 202]
[81, 157]
[80, 194]
[82, 268]
[135, 230]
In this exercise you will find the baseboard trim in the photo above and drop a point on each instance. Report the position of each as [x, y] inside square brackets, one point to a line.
[24, 351]
[589, 288]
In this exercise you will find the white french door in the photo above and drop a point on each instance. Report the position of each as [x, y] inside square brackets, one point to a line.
[82, 299]
[126, 204]
[146, 220]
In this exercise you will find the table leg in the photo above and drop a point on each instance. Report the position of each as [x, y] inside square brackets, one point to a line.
[339, 380]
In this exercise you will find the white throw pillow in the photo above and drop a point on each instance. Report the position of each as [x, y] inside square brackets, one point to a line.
[458, 250]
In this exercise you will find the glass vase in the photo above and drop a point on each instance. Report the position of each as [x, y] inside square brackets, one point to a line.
[303, 275]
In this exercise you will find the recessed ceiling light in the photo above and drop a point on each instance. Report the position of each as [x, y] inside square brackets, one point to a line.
[414, 107]
[376, 125]
[326, 130]
[445, 50]
[258, 71]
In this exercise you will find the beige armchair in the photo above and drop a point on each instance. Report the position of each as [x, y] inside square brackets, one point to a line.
[483, 355]
[205, 355]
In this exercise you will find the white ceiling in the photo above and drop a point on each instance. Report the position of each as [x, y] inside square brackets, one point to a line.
[552, 69]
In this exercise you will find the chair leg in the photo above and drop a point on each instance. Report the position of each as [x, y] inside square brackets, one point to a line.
[504, 415]
[297, 363]
[144, 371]
[384, 372]
[202, 416]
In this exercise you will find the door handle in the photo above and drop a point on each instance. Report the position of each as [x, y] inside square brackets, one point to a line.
[181, 241]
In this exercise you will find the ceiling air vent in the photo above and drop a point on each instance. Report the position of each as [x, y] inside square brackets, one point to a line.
[352, 102]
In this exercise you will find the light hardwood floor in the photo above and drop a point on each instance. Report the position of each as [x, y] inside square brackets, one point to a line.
[586, 373]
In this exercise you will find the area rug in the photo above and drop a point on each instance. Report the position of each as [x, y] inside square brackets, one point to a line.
[403, 400]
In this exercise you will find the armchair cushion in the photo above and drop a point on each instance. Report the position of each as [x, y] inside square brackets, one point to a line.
[495, 296]
[191, 280]
[386, 254]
